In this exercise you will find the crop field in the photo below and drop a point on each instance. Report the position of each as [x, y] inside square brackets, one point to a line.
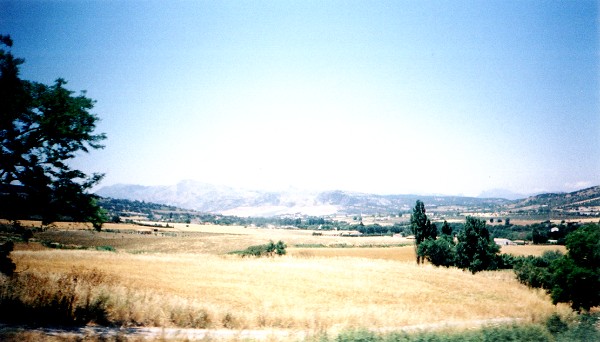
[535, 250]
[324, 283]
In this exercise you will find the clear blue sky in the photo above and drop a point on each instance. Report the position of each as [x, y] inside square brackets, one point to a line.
[446, 97]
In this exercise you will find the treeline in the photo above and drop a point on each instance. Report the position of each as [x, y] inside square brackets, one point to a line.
[472, 248]
[538, 233]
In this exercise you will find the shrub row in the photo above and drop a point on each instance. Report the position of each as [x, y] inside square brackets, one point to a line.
[270, 249]
[554, 329]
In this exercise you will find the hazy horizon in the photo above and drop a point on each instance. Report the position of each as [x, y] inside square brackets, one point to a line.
[402, 97]
[491, 193]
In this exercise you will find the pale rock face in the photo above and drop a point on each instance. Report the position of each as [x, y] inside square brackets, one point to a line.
[226, 200]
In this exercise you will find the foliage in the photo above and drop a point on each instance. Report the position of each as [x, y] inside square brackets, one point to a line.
[539, 236]
[476, 250]
[534, 271]
[539, 232]
[525, 332]
[421, 227]
[7, 266]
[573, 278]
[506, 261]
[440, 252]
[554, 329]
[14, 232]
[446, 229]
[584, 329]
[41, 129]
[270, 249]
[576, 276]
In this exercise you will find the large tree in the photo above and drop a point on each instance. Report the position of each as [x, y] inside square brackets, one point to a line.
[476, 250]
[421, 227]
[576, 276]
[43, 127]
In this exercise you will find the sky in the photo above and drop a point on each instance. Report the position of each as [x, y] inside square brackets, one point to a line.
[388, 97]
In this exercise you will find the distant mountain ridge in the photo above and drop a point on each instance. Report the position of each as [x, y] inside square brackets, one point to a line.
[588, 197]
[241, 202]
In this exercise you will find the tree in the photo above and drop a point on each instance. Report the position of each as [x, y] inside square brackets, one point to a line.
[421, 227]
[475, 250]
[439, 252]
[446, 229]
[534, 271]
[573, 278]
[41, 129]
[539, 235]
[576, 276]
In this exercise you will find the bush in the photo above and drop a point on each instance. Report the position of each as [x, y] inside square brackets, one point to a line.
[585, 329]
[269, 249]
[526, 332]
[576, 276]
[106, 248]
[534, 271]
[573, 278]
[507, 261]
[440, 252]
[555, 324]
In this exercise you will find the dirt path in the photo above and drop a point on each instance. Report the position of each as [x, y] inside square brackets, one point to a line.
[154, 333]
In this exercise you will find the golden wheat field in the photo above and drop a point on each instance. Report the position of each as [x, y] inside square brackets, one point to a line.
[188, 280]
[536, 250]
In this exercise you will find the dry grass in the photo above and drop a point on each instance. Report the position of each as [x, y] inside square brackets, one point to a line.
[535, 250]
[406, 253]
[210, 239]
[189, 281]
[312, 294]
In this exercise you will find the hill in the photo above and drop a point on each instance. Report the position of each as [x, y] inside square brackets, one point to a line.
[241, 202]
[584, 202]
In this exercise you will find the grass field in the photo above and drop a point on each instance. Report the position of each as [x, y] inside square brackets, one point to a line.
[290, 292]
[535, 250]
[189, 280]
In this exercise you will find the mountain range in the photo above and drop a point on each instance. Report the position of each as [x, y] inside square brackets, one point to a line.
[242, 202]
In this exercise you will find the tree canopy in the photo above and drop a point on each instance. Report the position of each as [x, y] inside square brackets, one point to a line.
[576, 276]
[476, 249]
[43, 127]
[421, 227]
[573, 278]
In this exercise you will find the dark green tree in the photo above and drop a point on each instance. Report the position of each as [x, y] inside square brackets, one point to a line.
[439, 252]
[476, 250]
[421, 227]
[535, 271]
[446, 229]
[539, 235]
[41, 129]
[576, 276]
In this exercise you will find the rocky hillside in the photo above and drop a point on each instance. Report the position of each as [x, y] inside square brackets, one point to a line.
[581, 201]
[230, 201]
